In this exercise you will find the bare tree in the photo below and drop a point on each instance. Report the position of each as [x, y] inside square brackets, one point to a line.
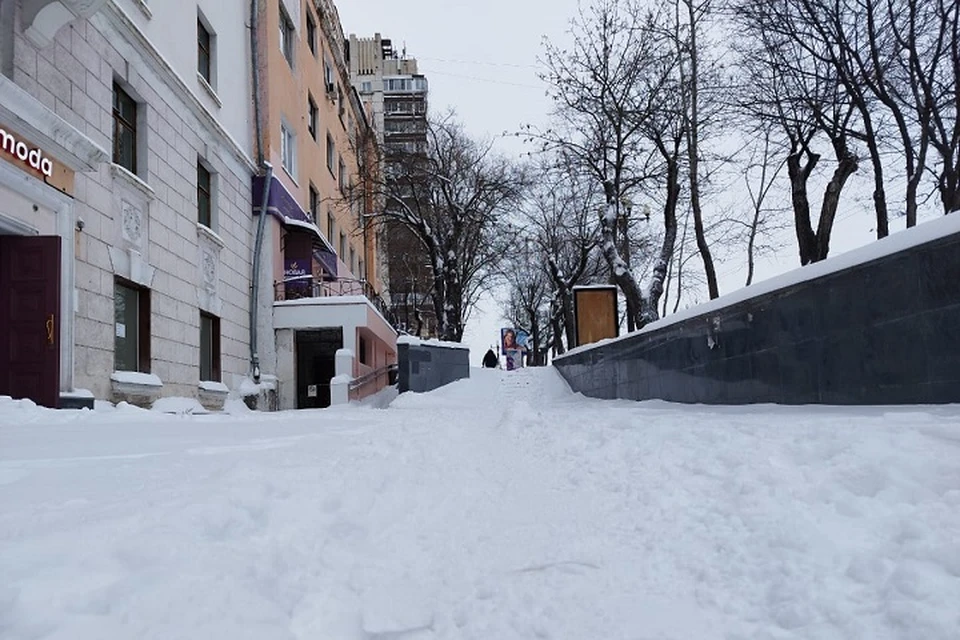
[689, 23]
[452, 197]
[610, 88]
[559, 218]
[795, 90]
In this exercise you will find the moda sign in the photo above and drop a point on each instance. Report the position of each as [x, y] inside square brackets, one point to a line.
[32, 157]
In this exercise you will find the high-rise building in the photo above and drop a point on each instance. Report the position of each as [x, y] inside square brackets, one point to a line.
[395, 93]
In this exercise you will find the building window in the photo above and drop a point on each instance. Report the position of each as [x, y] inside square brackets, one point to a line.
[353, 261]
[328, 78]
[124, 129]
[288, 150]
[342, 175]
[312, 116]
[314, 205]
[204, 52]
[287, 36]
[361, 272]
[331, 155]
[131, 314]
[209, 348]
[331, 227]
[366, 86]
[204, 198]
[311, 34]
[343, 246]
[364, 358]
[340, 109]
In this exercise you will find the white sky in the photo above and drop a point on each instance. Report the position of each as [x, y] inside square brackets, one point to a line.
[481, 60]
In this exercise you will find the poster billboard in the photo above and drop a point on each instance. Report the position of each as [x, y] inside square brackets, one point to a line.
[513, 346]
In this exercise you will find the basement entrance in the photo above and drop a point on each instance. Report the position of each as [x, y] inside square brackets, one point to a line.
[316, 351]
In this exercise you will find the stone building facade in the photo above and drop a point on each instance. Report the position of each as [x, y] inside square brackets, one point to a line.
[155, 229]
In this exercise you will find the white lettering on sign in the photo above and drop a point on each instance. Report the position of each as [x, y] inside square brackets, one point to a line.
[20, 150]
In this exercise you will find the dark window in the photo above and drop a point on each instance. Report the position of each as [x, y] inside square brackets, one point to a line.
[312, 116]
[331, 227]
[204, 52]
[131, 313]
[314, 205]
[287, 37]
[209, 348]
[124, 129]
[311, 34]
[364, 359]
[203, 196]
[331, 156]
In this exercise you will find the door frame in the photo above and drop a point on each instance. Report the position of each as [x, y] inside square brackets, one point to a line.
[63, 207]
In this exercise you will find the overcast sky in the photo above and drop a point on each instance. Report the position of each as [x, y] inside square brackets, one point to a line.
[479, 58]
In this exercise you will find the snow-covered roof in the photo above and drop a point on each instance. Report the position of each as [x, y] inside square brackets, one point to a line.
[432, 342]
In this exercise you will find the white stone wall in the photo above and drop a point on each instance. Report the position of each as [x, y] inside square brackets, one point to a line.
[230, 99]
[144, 228]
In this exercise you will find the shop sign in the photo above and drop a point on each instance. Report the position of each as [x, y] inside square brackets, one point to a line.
[31, 157]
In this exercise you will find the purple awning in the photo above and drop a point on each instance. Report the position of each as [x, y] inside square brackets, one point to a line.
[285, 208]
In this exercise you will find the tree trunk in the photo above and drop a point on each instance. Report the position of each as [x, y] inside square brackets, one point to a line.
[806, 239]
[558, 348]
[669, 242]
[879, 195]
[831, 199]
[693, 153]
[621, 275]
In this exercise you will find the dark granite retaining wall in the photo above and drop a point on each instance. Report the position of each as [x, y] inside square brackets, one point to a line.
[425, 367]
[885, 331]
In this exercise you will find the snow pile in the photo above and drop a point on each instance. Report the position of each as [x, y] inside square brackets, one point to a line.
[496, 507]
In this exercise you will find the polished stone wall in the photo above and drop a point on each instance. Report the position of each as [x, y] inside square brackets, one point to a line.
[424, 367]
[886, 331]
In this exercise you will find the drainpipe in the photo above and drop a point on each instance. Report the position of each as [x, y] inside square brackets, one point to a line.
[267, 169]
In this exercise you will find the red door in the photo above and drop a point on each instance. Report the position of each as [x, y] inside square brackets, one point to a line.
[30, 318]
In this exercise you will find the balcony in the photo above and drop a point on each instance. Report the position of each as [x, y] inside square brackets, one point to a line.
[307, 287]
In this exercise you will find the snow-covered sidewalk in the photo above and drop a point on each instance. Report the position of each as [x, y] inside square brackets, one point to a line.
[497, 507]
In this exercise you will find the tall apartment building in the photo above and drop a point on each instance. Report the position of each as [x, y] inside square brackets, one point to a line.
[320, 239]
[135, 163]
[125, 226]
[396, 93]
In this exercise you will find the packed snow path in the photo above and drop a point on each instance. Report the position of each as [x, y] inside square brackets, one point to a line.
[495, 508]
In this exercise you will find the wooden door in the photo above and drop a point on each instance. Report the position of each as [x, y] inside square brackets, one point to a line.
[30, 318]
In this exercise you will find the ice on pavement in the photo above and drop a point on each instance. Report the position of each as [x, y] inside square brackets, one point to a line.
[497, 507]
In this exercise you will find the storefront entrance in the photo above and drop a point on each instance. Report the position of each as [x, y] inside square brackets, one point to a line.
[316, 365]
[30, 318]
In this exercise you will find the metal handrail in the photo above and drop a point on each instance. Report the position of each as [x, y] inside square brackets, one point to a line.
[371, 376]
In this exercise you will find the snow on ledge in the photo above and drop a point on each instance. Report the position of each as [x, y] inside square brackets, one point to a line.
[432, 342]
[176, 404]
[135, 377]
[77, 393]
[250, 388]
[214, 387]
[929, 231]
[322, 300]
